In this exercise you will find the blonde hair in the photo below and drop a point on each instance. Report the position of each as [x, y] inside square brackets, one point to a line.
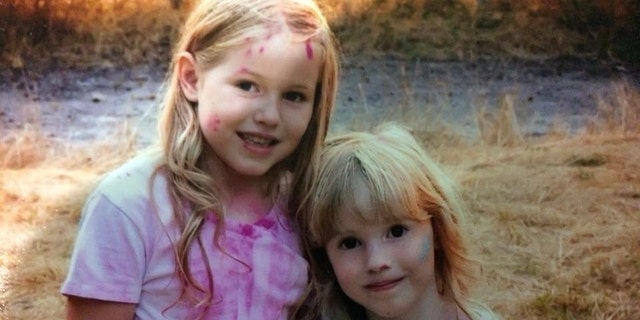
[397, 170]
[212, 28]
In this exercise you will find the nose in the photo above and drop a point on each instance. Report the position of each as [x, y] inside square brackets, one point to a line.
[268, 112]
[378, 258]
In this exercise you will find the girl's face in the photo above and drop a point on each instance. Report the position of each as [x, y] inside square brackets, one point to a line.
[386, 267]
[255, 105]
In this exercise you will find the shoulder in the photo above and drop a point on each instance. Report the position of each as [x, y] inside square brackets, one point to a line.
[132, 180]
[135, 187]
[136, 170]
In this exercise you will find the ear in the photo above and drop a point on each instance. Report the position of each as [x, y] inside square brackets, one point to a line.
[188, 76]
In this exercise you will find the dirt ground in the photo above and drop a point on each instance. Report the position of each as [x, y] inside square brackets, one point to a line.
[78, 105]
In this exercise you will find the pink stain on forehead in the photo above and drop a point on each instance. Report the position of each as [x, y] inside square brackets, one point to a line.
[309, 50]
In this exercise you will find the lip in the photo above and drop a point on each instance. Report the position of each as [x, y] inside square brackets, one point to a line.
[385, 285]
[246, 137]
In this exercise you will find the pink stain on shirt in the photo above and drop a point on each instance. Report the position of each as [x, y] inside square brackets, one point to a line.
[247, 231]
[309, 50]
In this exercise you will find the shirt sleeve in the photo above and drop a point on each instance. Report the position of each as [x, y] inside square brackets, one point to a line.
[108, 259]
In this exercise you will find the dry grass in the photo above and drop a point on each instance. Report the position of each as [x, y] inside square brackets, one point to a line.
[43, 185]
[556, 220]
[558, 224]
[121, 32]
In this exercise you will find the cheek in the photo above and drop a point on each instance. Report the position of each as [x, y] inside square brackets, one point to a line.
[213, 123]
[298, 121]
[425, 248]
[343, 267]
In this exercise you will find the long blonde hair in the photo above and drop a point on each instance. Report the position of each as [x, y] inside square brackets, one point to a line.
[397, 170]
[212, 28]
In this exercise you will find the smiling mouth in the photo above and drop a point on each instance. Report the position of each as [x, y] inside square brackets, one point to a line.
[259, 141]
[383, 285]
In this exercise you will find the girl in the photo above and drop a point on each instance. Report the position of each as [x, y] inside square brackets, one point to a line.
[385, 233]
[200, 229]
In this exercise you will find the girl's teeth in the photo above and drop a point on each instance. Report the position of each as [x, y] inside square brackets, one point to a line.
[258, 140]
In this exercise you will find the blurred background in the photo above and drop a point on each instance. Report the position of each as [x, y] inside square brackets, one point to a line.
[79, 32]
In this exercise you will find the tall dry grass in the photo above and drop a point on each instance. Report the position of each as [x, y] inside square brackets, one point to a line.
[120, 31]
[557, 218]
[43, 185]
[77, 32]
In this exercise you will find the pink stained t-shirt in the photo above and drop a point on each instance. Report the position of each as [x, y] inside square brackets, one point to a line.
[124, 252]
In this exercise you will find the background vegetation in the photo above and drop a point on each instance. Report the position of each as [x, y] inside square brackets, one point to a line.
[556, 218]
[121, 31]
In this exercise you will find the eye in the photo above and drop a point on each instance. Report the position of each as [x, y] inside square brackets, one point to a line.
[349, 243]
[397, 231]
[247, 86]
[294, 96]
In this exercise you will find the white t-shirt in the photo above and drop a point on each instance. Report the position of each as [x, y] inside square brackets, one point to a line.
[124, 252]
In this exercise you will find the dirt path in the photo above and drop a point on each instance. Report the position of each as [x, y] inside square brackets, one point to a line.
[82, 105]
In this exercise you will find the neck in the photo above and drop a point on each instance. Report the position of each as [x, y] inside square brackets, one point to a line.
[244, 198]
[247, 205]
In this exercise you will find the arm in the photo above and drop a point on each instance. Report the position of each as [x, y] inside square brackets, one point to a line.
[83, 308]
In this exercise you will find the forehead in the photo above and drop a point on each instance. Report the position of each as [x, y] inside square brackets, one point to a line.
[278, 56]
[365, 206]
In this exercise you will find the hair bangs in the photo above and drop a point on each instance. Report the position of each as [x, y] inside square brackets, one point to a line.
[393, 181]
[331, 197]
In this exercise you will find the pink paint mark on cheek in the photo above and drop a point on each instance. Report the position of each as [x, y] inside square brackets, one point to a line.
[213, 123]
[261, 49]
[309, 50]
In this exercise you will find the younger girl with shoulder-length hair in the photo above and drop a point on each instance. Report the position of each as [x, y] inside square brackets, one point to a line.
[202, 228]
[386, 232]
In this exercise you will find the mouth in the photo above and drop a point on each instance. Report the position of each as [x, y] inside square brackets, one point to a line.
[258, 140]
[383, 285]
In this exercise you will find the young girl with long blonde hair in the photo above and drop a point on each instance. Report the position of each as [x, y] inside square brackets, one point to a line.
[202, 229]
[386, 233]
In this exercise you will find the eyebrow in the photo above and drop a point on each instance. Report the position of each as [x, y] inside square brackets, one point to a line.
[298, 86]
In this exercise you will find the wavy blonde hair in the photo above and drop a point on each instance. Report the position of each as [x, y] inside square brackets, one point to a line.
[397, 170]
[211, 30]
